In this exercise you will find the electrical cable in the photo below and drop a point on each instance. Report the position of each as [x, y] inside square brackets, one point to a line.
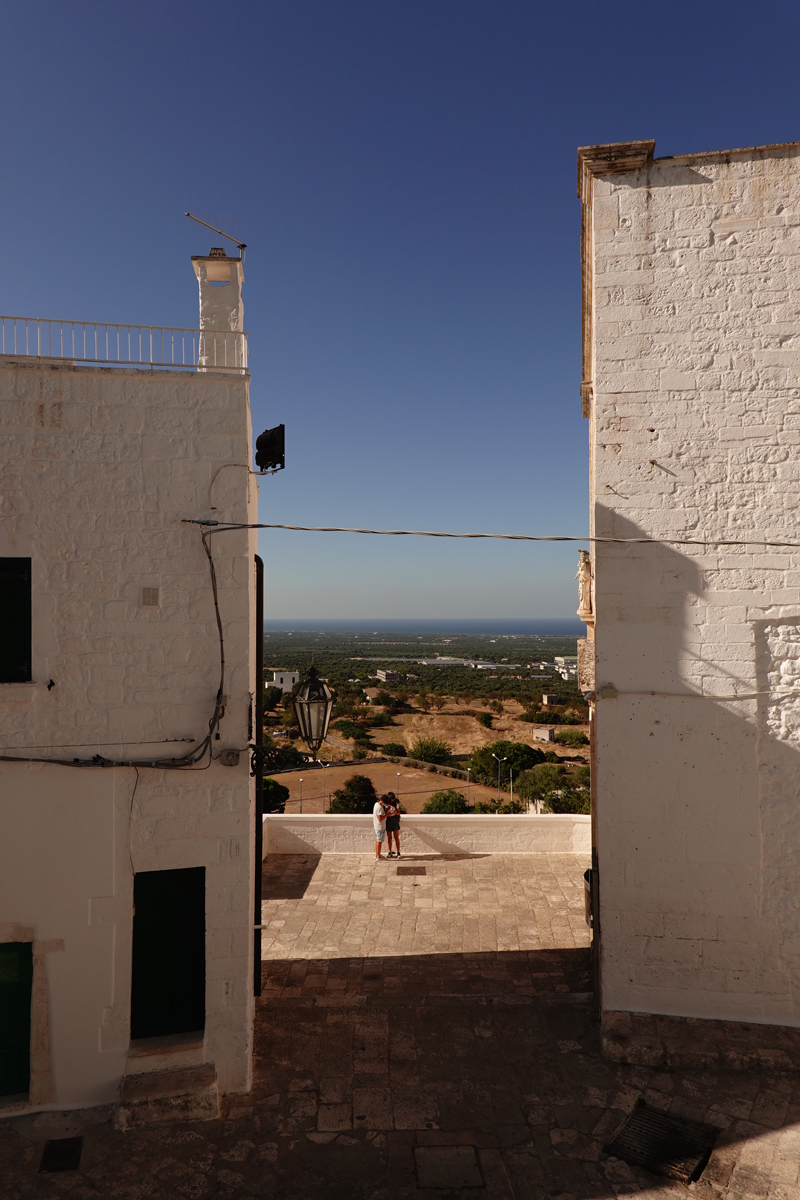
[183, 762]
[130, 819]
[81, 745]
[244, 466]
[190, 759]
[223, 527]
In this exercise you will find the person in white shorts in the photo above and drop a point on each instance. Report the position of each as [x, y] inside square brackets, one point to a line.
[379, 823]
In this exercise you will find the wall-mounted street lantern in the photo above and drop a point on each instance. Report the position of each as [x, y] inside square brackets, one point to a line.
[313, 706]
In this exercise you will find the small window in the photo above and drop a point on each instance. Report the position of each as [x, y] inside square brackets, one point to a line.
[15, 620]
[150, 597]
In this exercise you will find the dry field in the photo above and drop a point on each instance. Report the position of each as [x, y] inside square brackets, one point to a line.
[414, 785]
[463, 733]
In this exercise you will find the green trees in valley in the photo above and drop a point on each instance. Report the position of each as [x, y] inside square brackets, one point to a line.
[357, 795]
[518, 756]
[431, 750]
[448, 801]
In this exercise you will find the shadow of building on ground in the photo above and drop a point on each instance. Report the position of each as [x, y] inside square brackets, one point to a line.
[330, 981]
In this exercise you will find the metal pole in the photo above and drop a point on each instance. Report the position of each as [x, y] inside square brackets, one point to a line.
[468, 770]
[511, 769]
[259, 766]
[323, 786]
[301, 795]
[398, 785]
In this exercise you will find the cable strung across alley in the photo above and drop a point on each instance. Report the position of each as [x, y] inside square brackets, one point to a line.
[220, 527]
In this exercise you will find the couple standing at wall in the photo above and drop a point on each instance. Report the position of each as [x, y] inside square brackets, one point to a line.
[386, 821]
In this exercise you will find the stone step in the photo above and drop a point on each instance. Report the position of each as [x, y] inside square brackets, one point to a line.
[178, 1094]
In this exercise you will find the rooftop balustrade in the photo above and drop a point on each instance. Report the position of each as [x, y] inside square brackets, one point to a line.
[150, 346]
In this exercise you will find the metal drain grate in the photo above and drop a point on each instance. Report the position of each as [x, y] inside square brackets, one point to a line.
[62, 1154]
[412, 871]
[663, 1144]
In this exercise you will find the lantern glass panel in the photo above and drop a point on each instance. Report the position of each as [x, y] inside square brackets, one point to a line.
[313, 706]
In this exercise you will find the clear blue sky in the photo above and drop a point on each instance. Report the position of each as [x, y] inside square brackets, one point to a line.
[403, 172]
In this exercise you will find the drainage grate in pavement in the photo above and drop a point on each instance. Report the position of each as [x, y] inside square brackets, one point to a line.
[412, 871]
[62, 1154]
[663, 1144]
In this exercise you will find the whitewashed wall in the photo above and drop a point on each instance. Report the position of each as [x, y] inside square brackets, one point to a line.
[98, 468]
[696, 434]
[430, 834]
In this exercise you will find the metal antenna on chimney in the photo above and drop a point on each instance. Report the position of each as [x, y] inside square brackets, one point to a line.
[242, 245]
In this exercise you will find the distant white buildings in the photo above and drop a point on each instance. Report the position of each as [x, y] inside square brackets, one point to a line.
[285, 680]
[474, 664]
[544, 733]
[385, 675]
[567, 666]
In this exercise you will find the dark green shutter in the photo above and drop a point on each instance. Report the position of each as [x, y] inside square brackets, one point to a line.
[16, 982]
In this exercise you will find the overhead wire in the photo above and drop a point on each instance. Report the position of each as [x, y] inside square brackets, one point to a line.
[223, 527]
[191, 758]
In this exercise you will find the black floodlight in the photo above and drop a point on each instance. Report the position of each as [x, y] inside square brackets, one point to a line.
[313, 706]
[270, 453]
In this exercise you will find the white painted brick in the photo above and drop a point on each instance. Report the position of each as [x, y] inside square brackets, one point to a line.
[701, 327]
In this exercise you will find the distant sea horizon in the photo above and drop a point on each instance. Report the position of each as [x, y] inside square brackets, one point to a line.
[470, 626]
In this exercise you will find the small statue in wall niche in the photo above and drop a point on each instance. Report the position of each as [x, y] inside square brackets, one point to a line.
[584, 578]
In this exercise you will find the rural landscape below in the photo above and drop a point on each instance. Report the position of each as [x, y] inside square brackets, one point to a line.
[453, 722]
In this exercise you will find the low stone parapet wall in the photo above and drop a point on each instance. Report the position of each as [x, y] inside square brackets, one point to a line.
[552, 833]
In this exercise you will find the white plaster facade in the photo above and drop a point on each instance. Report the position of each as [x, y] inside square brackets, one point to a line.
[99, 468]
[692, 389]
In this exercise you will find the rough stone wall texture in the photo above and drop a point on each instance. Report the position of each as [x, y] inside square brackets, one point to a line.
[695, 429]
[98, 468]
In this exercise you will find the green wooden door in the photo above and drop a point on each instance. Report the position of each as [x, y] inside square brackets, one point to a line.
[16, 981]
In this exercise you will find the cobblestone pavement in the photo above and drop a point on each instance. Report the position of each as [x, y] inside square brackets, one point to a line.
[412, 1069]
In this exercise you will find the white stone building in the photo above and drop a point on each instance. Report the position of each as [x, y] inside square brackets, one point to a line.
[285, 680]
[120, 780]
[691, 275]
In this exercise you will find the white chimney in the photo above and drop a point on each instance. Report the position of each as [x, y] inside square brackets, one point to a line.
[221, 309]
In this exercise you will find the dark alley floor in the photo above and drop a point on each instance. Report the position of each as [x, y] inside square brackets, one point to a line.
[390, 1066]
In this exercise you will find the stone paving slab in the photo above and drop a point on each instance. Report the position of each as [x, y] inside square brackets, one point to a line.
[347, 1098]
[349, 907]
[385, 1095]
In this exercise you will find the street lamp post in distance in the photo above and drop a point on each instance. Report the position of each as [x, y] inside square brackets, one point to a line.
[498, 761]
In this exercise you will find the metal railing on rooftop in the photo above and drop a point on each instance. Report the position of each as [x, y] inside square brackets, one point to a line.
[137, 345]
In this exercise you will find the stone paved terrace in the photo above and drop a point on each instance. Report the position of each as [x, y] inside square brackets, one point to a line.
[426, 1036]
